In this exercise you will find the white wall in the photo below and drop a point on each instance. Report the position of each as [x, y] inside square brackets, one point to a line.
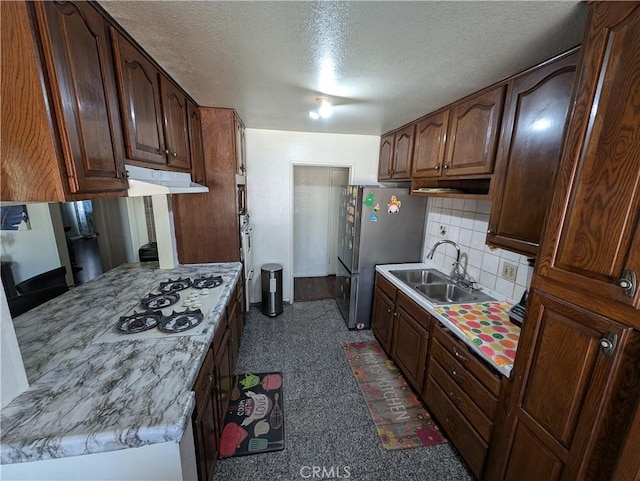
[466, 223]
[271, 155]
[31, 251]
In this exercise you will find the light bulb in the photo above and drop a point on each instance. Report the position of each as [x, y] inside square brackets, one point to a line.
[325, 109]
[314, 115]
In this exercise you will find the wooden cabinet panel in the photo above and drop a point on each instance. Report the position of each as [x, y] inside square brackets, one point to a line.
[409, 349]
[174, 112]
[429, 149]
[473, 134]
[223, 377]
[572, 394]
[528, 155]
[593, 234]
[77, 54]
[382, 319]
[195, 143]
[531, 460]
[401, 166]
[241, 150]
[139, 87]
[387, 149]
[204, 421]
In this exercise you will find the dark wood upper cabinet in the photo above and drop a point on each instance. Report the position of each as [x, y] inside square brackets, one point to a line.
[139, 86]
[473, 134]
[401, 169]
[174, 112]
[592, 241]
[575, 390]
[79, 63]
[429, 148]
[387, 149]
[528, 155]
[195, 142]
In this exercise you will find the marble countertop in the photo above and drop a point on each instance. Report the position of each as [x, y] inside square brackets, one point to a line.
[86, 397]
[502, 367]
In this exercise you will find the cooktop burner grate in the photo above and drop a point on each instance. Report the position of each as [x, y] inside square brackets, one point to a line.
[181, 321]
[207, 282]
[139, 322]
[160, 301]
[173, 286]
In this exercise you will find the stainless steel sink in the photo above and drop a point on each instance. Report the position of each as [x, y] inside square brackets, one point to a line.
[437, 288]
[420, 276]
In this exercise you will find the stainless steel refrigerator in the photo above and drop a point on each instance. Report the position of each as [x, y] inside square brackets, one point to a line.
[377, 225]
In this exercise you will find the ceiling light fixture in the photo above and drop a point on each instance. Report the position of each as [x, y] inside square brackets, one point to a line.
[323, 111]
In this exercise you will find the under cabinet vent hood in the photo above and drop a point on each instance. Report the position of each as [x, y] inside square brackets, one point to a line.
[143, 181]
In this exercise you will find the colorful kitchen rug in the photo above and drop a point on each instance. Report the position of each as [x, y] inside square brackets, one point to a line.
[255, 420]
[400, 418]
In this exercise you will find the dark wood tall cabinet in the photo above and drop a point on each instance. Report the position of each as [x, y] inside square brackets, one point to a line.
[576, 378]
[206, 225]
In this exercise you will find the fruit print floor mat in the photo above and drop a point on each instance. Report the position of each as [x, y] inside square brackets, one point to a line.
[400, 418]
[255, 419]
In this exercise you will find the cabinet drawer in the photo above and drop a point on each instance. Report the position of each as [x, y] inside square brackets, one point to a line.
[203, 384]
[462, 401]
[417, 312]
[465, 379]
[468, 359]
[466, 440]
[386, 287]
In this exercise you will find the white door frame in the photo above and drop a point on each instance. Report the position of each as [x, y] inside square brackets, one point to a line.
[292, 166]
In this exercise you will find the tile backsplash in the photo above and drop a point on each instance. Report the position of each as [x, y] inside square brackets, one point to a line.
[465, 222]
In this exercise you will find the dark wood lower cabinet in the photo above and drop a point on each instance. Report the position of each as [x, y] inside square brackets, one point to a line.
[383, 313]
[214, 383]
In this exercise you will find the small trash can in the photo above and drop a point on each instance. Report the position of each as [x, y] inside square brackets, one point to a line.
[271, 289]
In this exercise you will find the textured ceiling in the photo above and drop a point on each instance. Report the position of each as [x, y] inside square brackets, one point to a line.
[381, 63]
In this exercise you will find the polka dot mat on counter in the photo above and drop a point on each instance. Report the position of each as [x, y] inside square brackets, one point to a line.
[487, 325]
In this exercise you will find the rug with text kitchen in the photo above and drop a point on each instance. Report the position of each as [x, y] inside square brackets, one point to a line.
[254, 422]
[400, 417]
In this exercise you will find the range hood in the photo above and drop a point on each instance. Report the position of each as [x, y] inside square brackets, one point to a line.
[144, 181]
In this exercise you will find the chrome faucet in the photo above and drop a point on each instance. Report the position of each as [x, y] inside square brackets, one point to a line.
[445, 241]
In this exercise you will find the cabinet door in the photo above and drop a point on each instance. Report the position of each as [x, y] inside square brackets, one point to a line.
[195, 144]
[474, 127]
[401, 165]
[528, 155]
[240, 146]
[575, 385]
[78, 56]
[428, 152]
[382, 319]
[223, 377]
[410, 348]
[593, 234]
[174, 111]
[139, 87]
[387, 149]
[204, 423]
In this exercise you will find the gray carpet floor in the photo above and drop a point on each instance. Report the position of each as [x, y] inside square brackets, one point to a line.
[327, 424]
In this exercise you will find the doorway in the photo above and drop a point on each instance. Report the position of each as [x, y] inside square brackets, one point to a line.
[315, 230]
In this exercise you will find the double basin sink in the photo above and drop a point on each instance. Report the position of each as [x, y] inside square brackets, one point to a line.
[437, 288]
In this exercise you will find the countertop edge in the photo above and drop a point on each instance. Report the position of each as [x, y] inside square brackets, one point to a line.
[384, 270]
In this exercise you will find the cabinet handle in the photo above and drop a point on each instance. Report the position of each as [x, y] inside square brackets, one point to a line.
[447, 166]
[608, 343]
[437, 167]
[458, 355]
[628, 282]
[173, 154]
[166, 152]
[198, 180]
[450, 422]
[491, 231]
[454, 398]
[457, 374]
[388, 311]
[125, 174]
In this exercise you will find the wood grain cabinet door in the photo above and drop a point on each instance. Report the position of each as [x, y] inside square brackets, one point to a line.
[240, 146]
[174, 111]
[139, 87]
[429, 147]
[401, 165]
[592, 239]
[382, 319]
[79, 62]
[387, 149]
[575, 390]
[474, 128]
[528, 155]
[195, 144]
[410, 348]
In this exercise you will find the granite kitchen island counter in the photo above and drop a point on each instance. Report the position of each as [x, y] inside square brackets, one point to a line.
[90, 397]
